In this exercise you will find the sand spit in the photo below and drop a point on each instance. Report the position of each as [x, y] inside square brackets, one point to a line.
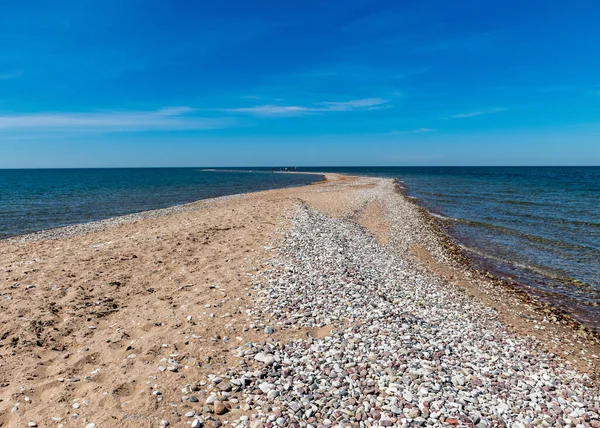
[335, 304]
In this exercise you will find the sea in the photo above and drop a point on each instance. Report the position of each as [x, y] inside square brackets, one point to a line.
[38, 199]
[538, 226]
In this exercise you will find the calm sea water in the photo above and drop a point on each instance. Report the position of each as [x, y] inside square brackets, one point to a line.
[537, 225]
[38, 199]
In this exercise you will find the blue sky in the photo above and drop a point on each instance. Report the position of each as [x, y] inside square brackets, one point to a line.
[243, 83]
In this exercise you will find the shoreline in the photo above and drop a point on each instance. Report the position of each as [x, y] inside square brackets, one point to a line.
[228, 299]
[458, 254]
[545, 302]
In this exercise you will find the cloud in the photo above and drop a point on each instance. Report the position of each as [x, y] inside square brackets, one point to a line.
[366, 104]
[476, 113]
[331, 106]
[171, 118]
[413, 131]
[10, 75]
[272, 110]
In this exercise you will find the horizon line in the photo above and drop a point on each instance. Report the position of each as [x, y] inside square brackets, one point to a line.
[304, 166]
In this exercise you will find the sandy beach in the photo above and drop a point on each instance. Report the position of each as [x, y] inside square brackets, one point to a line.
[340, 303]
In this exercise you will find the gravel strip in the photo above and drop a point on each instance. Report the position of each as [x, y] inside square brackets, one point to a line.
[406, 348]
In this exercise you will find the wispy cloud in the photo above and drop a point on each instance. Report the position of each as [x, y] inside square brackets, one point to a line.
[413, 131]
[10, 75]
[296, 110]
[171, 118]
[364, 104]
[272, 110]
[476, 113]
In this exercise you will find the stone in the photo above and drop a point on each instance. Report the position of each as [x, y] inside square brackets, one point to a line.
[224, 386]
[265, 387]
[220, 408]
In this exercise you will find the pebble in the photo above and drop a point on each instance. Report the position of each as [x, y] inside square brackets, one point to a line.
[220, 408]
[404, 347]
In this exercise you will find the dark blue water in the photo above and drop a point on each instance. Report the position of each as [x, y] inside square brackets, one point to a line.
[537, 225]
[38, 199]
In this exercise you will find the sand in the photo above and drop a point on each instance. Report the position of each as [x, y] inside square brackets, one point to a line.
[91, 319]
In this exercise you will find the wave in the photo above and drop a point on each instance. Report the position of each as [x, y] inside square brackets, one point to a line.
[514, 232]
[540, 270]
[515, 202]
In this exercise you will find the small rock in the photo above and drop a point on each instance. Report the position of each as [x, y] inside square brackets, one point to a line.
[220, 408]
[265, 387]
[225, 386]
